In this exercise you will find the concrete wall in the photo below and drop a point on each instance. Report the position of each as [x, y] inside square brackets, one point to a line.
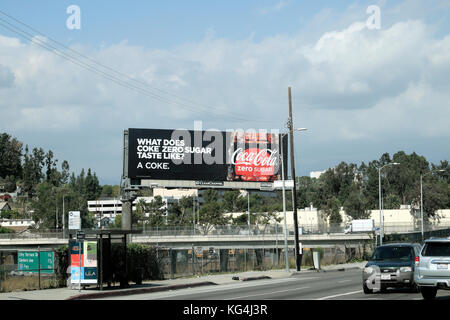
[311, 216]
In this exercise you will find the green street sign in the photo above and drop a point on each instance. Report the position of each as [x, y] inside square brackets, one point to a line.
[28, 261]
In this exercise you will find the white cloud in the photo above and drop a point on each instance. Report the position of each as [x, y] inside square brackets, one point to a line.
[349, 85]
[6, 77]
[273, 8]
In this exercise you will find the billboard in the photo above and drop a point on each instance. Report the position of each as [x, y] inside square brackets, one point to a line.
[207, 157]
[84, 253]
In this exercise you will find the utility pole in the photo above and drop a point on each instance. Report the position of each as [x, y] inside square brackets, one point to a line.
[193, 215]
[63, 221]
[248, 210]
[294, 189]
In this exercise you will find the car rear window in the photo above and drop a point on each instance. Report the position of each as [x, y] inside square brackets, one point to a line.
[436, 249]
[393, 253]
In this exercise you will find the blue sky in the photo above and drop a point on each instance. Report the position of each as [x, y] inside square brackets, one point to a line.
[359, 92]
[163, 24]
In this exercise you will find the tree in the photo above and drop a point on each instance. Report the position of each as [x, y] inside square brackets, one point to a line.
[211, 213]
[392, 201]
[32, 169]
[233, 201]
[10, 156]
[91, 186]
[156, 210]
[332, 210]
[139, 215]
[180, 212]
[435, 197]
[404, 178]
[356, 205]
[65, 172]
[50, 165]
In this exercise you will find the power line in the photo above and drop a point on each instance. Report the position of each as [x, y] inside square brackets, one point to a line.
[17, 30]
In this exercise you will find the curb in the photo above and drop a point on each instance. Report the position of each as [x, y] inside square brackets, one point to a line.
[255, 278]
[139, 291]
[340, 269]
[325, 270]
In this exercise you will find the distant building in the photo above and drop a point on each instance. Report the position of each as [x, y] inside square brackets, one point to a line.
[106, 209]
[316, 174]
[16, 224]
[4, 206]
[3, 183]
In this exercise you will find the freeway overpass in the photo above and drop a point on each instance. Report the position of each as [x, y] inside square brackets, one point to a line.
[54, 240]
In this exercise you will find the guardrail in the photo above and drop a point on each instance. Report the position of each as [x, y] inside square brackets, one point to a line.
[232, 230]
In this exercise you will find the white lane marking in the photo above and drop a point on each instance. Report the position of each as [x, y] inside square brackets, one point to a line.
[340, 295]
[222, 287]
[342, 281]
[266, 293]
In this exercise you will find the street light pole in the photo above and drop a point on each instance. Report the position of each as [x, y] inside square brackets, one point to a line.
[380, 200]
[63, 220]
[248, 210]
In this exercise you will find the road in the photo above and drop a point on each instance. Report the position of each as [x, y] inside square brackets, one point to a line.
[337, 285]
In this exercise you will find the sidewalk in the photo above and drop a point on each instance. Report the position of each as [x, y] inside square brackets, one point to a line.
[163, 285]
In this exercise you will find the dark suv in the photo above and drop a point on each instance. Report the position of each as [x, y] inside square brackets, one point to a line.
[391, 265]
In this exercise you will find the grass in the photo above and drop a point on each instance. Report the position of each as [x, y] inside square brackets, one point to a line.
[27, 283]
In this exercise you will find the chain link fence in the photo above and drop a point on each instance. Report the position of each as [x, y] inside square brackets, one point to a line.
[202, 261]
[15, 277]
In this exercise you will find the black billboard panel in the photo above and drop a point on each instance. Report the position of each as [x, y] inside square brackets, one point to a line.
[162, 154]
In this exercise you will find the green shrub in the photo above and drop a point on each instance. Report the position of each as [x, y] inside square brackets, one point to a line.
[62, 263]
[143, 263]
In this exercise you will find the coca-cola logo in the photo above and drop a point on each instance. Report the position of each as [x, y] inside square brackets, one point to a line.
[255, 162]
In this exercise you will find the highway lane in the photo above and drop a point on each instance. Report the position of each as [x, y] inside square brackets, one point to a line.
[337, 285]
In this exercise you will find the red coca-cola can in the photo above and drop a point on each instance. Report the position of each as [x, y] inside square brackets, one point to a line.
[253, 157]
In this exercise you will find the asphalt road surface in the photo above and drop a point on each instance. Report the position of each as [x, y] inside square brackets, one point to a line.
[337, 285]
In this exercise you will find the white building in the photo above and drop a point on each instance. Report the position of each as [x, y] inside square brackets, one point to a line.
[109, 208]
[16, 224]
[316, 174]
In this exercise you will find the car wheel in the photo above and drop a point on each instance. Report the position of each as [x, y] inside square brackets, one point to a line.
[414, 288]
[366, 289]
[428, 293]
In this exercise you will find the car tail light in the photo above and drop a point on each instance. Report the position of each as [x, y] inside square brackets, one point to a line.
[416, 261]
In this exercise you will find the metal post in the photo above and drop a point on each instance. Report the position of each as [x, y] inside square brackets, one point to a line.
[39, 267]
[248, 210]
[381, 200]
[79, 265]
[286, 248]
[421, 202]
[101, 261]
[380, 205]
[63, 220]
[294, 190]
[3, 267]
[193, 213]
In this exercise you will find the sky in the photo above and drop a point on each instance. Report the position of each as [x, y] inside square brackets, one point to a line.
[361, 88]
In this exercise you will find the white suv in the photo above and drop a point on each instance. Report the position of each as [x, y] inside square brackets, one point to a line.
[432, 270]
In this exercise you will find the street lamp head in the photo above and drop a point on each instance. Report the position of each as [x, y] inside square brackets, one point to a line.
[300, 129]
[395, 163]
